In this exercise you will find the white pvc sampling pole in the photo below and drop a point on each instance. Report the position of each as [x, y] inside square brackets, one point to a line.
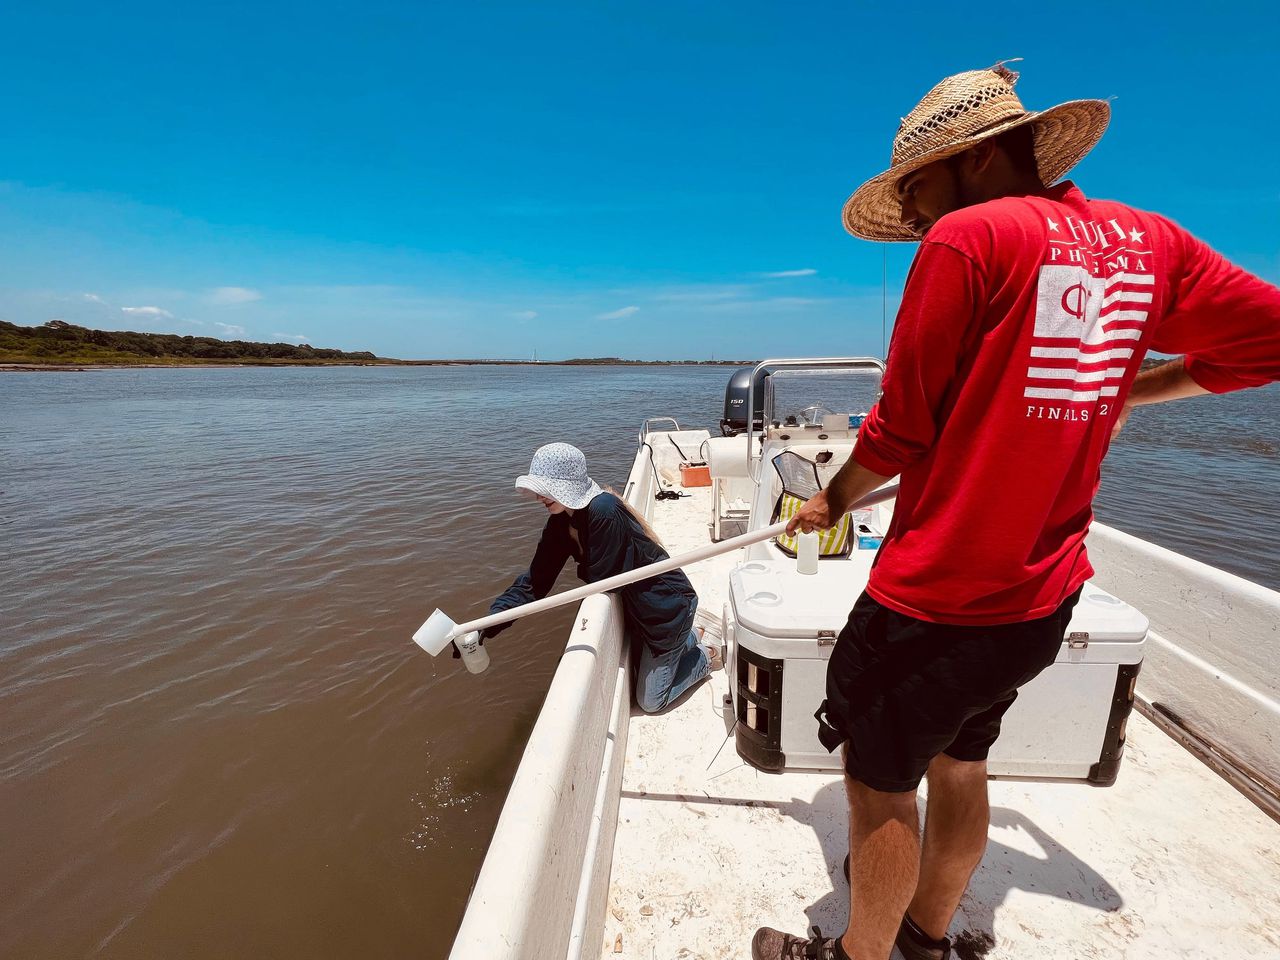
[439, 630]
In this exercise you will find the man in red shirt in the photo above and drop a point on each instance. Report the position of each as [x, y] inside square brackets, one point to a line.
[1015, 358]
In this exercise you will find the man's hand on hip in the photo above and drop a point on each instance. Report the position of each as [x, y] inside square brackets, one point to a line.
[1169, 381]
[1121, 419]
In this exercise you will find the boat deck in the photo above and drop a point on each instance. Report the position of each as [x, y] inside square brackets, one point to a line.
[1169, 862]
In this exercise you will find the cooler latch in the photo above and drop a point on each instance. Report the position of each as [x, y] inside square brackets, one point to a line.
[826, 638]
[1078, 640]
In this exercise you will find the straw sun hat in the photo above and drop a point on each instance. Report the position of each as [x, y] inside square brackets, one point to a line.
[559, 471]
[953, 116]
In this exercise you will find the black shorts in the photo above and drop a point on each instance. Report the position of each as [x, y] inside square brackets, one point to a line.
[900, 691]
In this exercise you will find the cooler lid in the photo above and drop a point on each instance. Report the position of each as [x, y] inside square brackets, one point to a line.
[771, 599]
[1107, 618]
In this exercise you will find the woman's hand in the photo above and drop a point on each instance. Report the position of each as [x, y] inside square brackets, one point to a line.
[816, 514]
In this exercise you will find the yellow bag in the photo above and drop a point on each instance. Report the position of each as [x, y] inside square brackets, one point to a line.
[831, 543]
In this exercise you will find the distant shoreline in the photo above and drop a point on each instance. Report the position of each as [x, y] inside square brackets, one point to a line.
[59, 346]
[32, 367]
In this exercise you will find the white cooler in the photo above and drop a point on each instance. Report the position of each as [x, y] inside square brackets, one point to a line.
[780, 627]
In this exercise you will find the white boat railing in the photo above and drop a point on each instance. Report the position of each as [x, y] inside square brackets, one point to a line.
[544, 884]
[542, 888]
[1216, 637]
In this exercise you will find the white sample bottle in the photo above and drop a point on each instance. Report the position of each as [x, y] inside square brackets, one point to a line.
[807, 553]
[474, 656]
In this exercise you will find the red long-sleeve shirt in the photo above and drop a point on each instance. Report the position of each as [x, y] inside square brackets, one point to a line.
[1023, 323]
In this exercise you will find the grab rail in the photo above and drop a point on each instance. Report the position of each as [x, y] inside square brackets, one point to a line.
[644, 427]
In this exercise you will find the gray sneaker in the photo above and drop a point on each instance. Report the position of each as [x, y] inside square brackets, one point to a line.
[770, 944]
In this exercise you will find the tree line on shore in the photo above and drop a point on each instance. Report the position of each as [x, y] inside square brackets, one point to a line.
[60, 342]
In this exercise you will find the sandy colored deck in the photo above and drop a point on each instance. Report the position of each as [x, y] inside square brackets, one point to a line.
[1169, 862]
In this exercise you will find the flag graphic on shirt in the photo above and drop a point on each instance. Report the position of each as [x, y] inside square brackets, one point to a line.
[1092, 301]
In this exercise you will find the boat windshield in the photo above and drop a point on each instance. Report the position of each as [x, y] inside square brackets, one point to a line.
[806, 396]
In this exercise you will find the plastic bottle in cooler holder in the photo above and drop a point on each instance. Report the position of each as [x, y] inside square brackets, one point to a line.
[807, 553]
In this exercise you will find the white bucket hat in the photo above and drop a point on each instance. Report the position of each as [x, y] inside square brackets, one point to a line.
[559, 471]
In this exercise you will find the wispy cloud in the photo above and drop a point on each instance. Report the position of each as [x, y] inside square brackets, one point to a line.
[525, 314]
[155, 313]
[224, 296]
[292, 337]
[783, 274]
[705, 294]
[618, 314]
[94, 298]
[230, 329]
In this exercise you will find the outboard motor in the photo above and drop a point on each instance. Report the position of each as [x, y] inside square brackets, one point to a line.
[735, 401]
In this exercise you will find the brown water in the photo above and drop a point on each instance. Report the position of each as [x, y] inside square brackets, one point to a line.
[218, 739]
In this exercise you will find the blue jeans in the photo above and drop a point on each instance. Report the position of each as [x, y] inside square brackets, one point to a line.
[662, 677]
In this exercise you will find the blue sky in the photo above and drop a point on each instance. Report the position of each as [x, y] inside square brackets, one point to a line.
[484, 180]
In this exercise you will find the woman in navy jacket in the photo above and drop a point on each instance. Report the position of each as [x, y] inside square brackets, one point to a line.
[606, 538]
